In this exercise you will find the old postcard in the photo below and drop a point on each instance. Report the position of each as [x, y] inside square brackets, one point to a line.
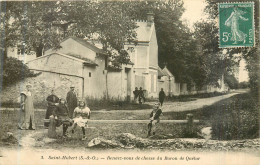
[129, 82]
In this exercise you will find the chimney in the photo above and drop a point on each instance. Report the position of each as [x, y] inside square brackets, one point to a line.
[150, 19]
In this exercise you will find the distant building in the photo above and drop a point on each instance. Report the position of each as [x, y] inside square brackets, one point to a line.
[20, 54]
[167, 81]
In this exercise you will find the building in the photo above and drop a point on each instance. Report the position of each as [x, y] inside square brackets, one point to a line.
[20, 54]
[144, 55]
[167, 81]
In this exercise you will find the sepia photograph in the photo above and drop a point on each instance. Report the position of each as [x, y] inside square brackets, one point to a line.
[129, 82]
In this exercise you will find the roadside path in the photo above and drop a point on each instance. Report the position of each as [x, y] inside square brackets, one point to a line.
[168, 106]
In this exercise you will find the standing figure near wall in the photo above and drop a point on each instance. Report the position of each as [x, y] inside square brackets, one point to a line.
[161, 96]
[53, 101]
[136, 94]
[141, 96]
[72, 101]
[27, 109]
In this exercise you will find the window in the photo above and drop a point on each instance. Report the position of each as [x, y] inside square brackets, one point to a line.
[89, 74]
[20, 50]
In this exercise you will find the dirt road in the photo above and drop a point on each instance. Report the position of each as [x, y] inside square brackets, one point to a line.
[170, 106]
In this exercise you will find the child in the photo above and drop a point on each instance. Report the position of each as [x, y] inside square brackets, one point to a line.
[154, 119]
[61, 115]
[81, 116]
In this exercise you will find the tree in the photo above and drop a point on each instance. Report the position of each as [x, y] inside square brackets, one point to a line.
[251, 55]
[42, 25]
[214, 61]
[14, 70]
[243, 85]
[176, 45]
[231, 81]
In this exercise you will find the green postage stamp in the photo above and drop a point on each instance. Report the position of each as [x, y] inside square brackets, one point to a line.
[236, 25]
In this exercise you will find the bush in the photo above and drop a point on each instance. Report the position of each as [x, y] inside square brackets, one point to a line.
[243, 85]
[14, 70]
[185, 98]
[237, 120]
[114, 104]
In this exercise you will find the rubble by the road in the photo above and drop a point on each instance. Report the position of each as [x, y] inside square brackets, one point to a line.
[103, 143]
[127, 140]
[9, 139]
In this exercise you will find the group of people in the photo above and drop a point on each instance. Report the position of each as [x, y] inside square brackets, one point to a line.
[67, 112]
[139, 94]
[71, 112]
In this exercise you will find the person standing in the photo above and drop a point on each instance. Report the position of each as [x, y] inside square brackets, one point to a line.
[27, 109]
[161, 96]
[53, 101]
[141, 96]
[72, 100]
[136, 94]
[154, 119]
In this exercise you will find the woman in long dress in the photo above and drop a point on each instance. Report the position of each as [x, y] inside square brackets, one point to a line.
[232, 21]
[27, 110]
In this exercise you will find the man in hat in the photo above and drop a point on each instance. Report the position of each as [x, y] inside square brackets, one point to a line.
[72, 100]
[27, 109]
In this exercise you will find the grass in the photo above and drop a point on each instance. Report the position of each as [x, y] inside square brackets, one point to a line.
[233, 118]
[185, 98]
[230, 119]
[9, 123]
[92, 104]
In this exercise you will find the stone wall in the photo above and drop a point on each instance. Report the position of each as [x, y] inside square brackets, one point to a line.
[42, 85]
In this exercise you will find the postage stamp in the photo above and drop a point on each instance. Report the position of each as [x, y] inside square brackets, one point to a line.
[236, 25]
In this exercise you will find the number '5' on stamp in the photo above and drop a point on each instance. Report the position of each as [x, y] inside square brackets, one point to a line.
[236, 25]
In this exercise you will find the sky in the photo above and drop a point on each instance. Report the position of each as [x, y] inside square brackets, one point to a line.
[193, 13]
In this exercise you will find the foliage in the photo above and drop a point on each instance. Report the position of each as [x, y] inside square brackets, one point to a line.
[249, 54]
[42, 25]
[14, 70]
[231, 81]
[214, 61]
[243, 85]
[237, 120]
[176, 46]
